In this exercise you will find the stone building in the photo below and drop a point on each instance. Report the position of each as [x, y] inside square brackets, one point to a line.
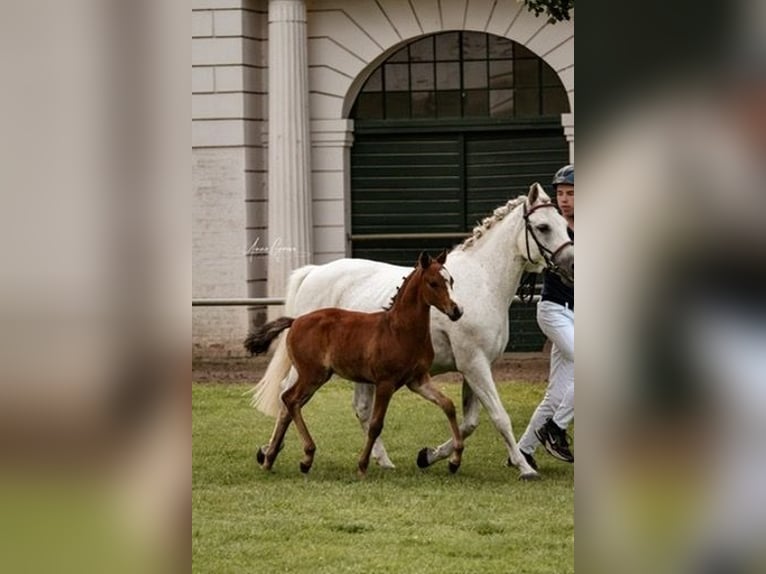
[324, 129]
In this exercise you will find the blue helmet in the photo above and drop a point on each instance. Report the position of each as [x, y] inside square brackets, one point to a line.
[564, 175]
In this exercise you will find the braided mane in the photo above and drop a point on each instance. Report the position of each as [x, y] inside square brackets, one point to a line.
[486, 224]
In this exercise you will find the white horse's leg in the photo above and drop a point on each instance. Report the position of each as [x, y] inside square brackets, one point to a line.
[362, 402]
[471, 408]
[478, 375]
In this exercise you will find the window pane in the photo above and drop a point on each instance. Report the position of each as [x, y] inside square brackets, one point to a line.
[448, 46]
[422, 76]
[527, 73]
[501, 74]
[448, 76]
[527, 102]
[555, 101]
[476, 103]
[550, 77]
[522, 52]
[474, 75]
[423, 104]
[448, 104]
[474, 46]
[369, 106]
[501, 103]
[399, 56]
[374, 82]
[500, 47]
[397, 105]
[422, 50]
[397, 77]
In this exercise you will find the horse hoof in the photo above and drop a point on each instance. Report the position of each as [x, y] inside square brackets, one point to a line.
[260, 456]
[453, 467]
[423, 458]
[385, 463]
[305, 468]
[529, 476]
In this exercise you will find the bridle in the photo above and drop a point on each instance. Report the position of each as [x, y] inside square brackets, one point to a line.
[547, 254]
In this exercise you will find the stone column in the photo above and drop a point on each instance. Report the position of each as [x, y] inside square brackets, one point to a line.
[289, 194]
[567, 121]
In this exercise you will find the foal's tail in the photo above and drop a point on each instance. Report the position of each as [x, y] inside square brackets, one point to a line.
[266, 394]
[258, 342]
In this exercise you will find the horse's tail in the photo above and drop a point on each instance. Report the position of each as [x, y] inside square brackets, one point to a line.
[266, 394]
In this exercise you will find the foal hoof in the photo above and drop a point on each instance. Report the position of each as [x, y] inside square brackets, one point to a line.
[453, 467]
[260, 456]
[423, 458]
[305, 468]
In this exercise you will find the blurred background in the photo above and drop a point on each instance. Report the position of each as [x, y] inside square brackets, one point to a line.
[672, 242]
[95, 285]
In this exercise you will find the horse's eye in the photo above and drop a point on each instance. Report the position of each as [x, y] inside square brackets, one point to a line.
[543, 228]
[433, 284]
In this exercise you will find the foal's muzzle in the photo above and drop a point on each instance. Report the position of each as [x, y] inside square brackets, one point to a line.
[456, 313]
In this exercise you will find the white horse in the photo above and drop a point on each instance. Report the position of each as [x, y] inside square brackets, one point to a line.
[487, 267]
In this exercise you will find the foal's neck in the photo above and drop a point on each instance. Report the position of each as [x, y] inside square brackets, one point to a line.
[409, 312]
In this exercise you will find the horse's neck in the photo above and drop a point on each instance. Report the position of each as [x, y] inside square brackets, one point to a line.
[497, 251]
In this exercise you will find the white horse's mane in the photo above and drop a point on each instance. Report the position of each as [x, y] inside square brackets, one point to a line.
[486, 224]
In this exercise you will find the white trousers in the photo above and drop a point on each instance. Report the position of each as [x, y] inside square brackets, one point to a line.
[557, 323]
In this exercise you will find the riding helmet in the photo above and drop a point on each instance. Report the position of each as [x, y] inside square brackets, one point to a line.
[564, 175]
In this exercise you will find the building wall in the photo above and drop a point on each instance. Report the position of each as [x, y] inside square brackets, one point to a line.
[228, 165]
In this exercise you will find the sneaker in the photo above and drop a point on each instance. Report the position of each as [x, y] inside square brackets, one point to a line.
[555, 441]
[530, 460]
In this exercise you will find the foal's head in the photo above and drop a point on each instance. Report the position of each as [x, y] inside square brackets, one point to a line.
[436, 285]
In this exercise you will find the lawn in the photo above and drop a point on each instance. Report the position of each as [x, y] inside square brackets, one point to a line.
[482, 519]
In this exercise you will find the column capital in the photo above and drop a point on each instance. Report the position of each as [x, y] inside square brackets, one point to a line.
[287, 11]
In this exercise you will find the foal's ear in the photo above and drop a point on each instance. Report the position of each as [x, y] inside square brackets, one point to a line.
[442, 257]
[424, 259]
[534, 193]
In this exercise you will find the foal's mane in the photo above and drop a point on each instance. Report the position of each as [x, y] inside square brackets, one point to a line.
[486, 224]
[400, 289]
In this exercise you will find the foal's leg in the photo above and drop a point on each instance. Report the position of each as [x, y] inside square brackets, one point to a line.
[266, 459]
[471, 408]
[294, 399]
[364, 395]
[427, 390]
[383, 393]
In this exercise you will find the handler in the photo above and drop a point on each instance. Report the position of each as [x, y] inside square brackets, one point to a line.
[555, 315]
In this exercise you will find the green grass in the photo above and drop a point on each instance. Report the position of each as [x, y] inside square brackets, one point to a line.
[482, 519]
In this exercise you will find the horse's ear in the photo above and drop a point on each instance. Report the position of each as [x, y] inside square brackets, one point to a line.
[442, 257]
[424, 259]
[534, 193]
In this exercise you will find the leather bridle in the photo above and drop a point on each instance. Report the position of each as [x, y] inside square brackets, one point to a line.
[548, 255]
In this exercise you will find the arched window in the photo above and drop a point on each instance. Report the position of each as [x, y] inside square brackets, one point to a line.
[461, 75]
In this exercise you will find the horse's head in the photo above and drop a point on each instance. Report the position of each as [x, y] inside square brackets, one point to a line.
[545, 241]
[436, 285]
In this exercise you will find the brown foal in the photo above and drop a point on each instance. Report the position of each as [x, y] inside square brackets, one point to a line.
[388, 349]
